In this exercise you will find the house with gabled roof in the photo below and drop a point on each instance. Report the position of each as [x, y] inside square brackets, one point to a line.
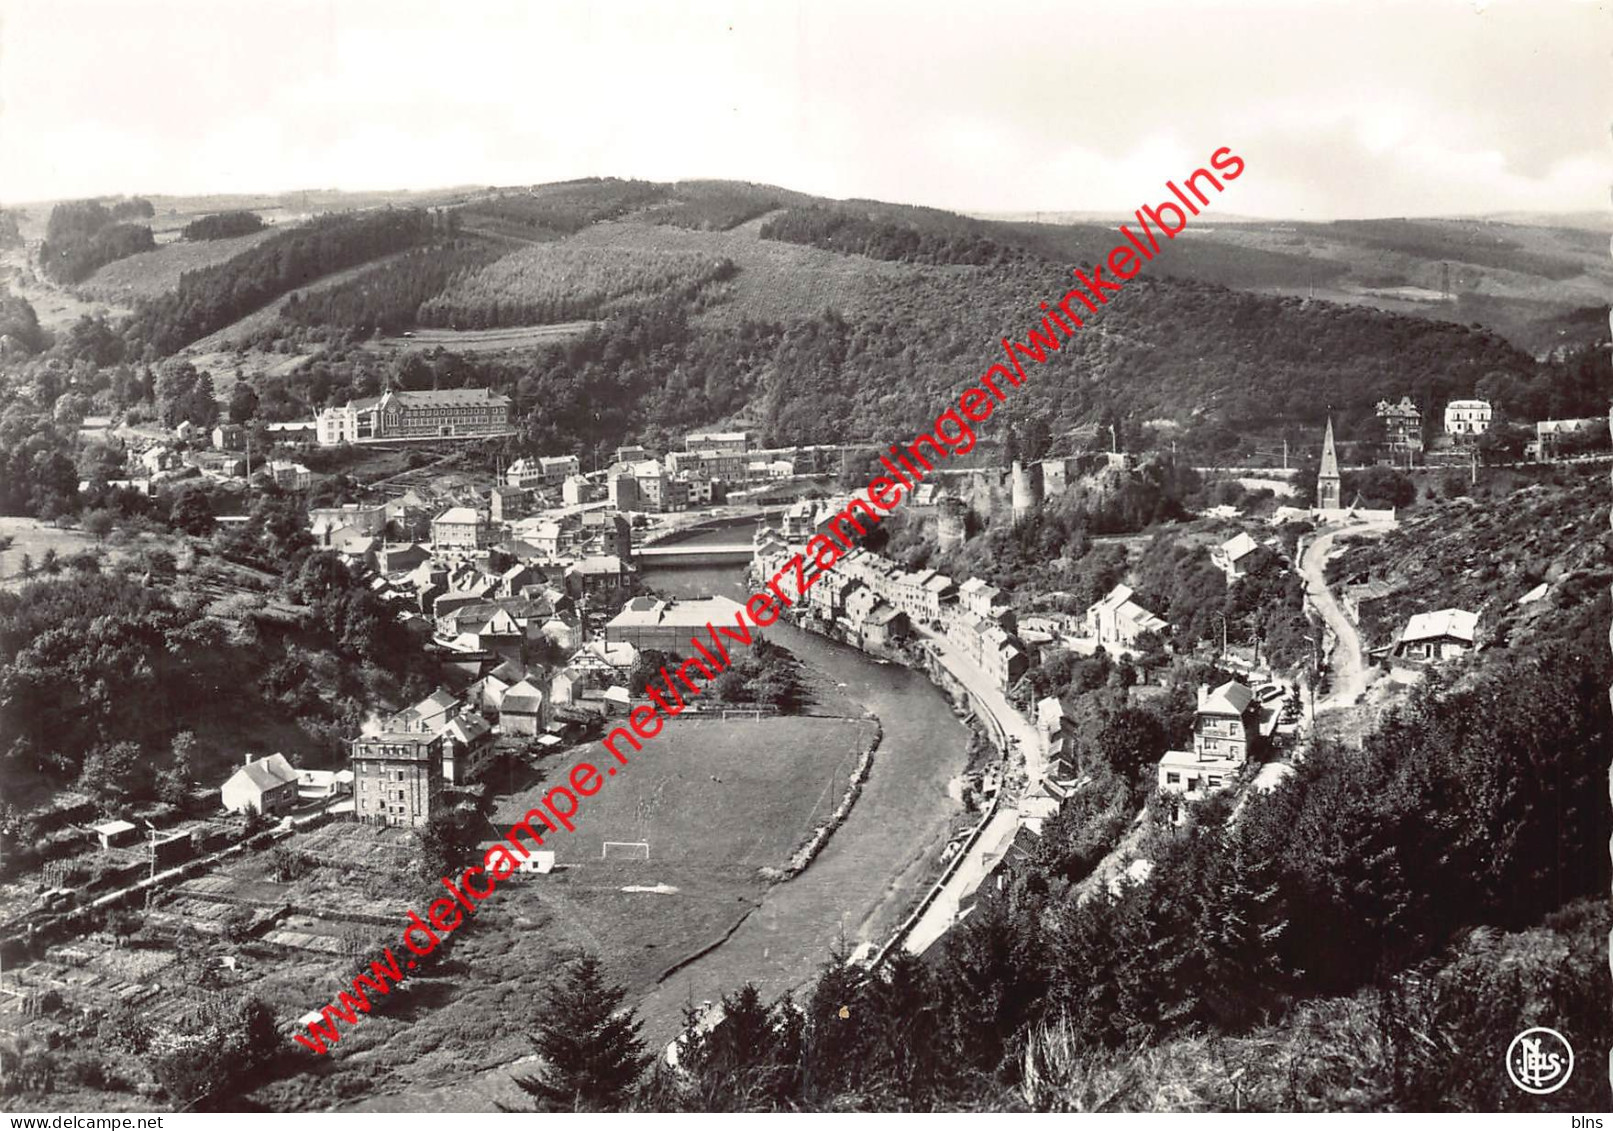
[461, 738]
[1234, 556]
[1442, 635]
[265, 785]
[1224, 729]
[521, 710]
[1117, 621]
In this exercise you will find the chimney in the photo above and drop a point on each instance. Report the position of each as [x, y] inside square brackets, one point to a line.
[248, 761]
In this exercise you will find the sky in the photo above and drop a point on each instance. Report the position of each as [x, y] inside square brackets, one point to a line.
[1340, 109]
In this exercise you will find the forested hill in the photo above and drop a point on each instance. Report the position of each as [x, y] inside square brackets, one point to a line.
[808, 320]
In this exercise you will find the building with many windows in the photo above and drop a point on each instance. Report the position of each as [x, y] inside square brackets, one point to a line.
[433, 414]
[459, 528]
[397, 778]
[1468, 418]
[1226, 725]
[1402, 425]
[542, 471]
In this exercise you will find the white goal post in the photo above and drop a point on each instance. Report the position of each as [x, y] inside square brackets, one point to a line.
[632, 849]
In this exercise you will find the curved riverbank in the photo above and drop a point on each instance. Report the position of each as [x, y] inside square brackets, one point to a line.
[877, 863]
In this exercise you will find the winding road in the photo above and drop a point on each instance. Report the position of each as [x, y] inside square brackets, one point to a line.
[1346, 660]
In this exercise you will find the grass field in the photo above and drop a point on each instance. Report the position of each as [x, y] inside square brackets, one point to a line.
[708, 838]
[32, 538]
[716, 796]
[153, 273]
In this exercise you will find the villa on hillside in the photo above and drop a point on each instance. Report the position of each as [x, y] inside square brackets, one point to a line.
[1227, 724]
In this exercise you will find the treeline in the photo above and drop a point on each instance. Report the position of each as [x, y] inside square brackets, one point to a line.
[1178, 581]
[547, 212]
[223, 225]
[1364, 873]
[83, 235]
[212, 298]
[552, 283]
[716, 206]
[387, 298]
[836, 229]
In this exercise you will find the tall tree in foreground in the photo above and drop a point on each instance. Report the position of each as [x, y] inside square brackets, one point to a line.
[590, 1046]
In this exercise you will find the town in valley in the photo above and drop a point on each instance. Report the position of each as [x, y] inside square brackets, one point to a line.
[1225, 730]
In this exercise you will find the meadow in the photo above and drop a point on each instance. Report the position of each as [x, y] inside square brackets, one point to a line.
[717, 800]
[152, 273]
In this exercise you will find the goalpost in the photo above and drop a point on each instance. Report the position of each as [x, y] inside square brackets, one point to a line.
[627, 849]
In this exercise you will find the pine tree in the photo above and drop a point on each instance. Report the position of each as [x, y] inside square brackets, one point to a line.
[590, 1047]
[1243, 921]
[831, 1060]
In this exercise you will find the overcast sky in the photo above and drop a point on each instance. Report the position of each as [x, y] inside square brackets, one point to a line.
[1355, 108]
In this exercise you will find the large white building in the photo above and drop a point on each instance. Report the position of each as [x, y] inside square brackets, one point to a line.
[434, 414]
[1468, 418]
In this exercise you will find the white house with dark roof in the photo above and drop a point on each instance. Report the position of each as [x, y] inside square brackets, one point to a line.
[1226, 723]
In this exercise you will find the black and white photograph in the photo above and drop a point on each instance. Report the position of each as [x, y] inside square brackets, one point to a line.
[1121, 492]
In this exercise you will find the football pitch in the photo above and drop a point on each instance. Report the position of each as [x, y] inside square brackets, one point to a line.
[717, 801]
[728, 796]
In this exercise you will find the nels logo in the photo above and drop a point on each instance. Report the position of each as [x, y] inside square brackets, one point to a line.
[1540, 1061]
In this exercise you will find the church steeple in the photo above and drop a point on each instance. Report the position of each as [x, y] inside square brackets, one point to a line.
[1328, 489]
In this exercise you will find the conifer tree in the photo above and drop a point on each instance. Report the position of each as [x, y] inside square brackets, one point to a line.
[590, 1047]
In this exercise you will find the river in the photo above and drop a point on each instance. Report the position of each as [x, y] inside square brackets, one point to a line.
[876, 864]
[862, 884]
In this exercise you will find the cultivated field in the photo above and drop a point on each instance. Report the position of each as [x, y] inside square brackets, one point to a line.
[483, 341]
[153, 273]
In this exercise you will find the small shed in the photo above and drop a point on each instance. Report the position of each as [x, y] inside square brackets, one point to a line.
[114, 833]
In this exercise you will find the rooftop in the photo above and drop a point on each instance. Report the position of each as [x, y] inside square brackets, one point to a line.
[1231, 698]
[1239, 546]
[1458, 624]
[646, 612]
[267, 773]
